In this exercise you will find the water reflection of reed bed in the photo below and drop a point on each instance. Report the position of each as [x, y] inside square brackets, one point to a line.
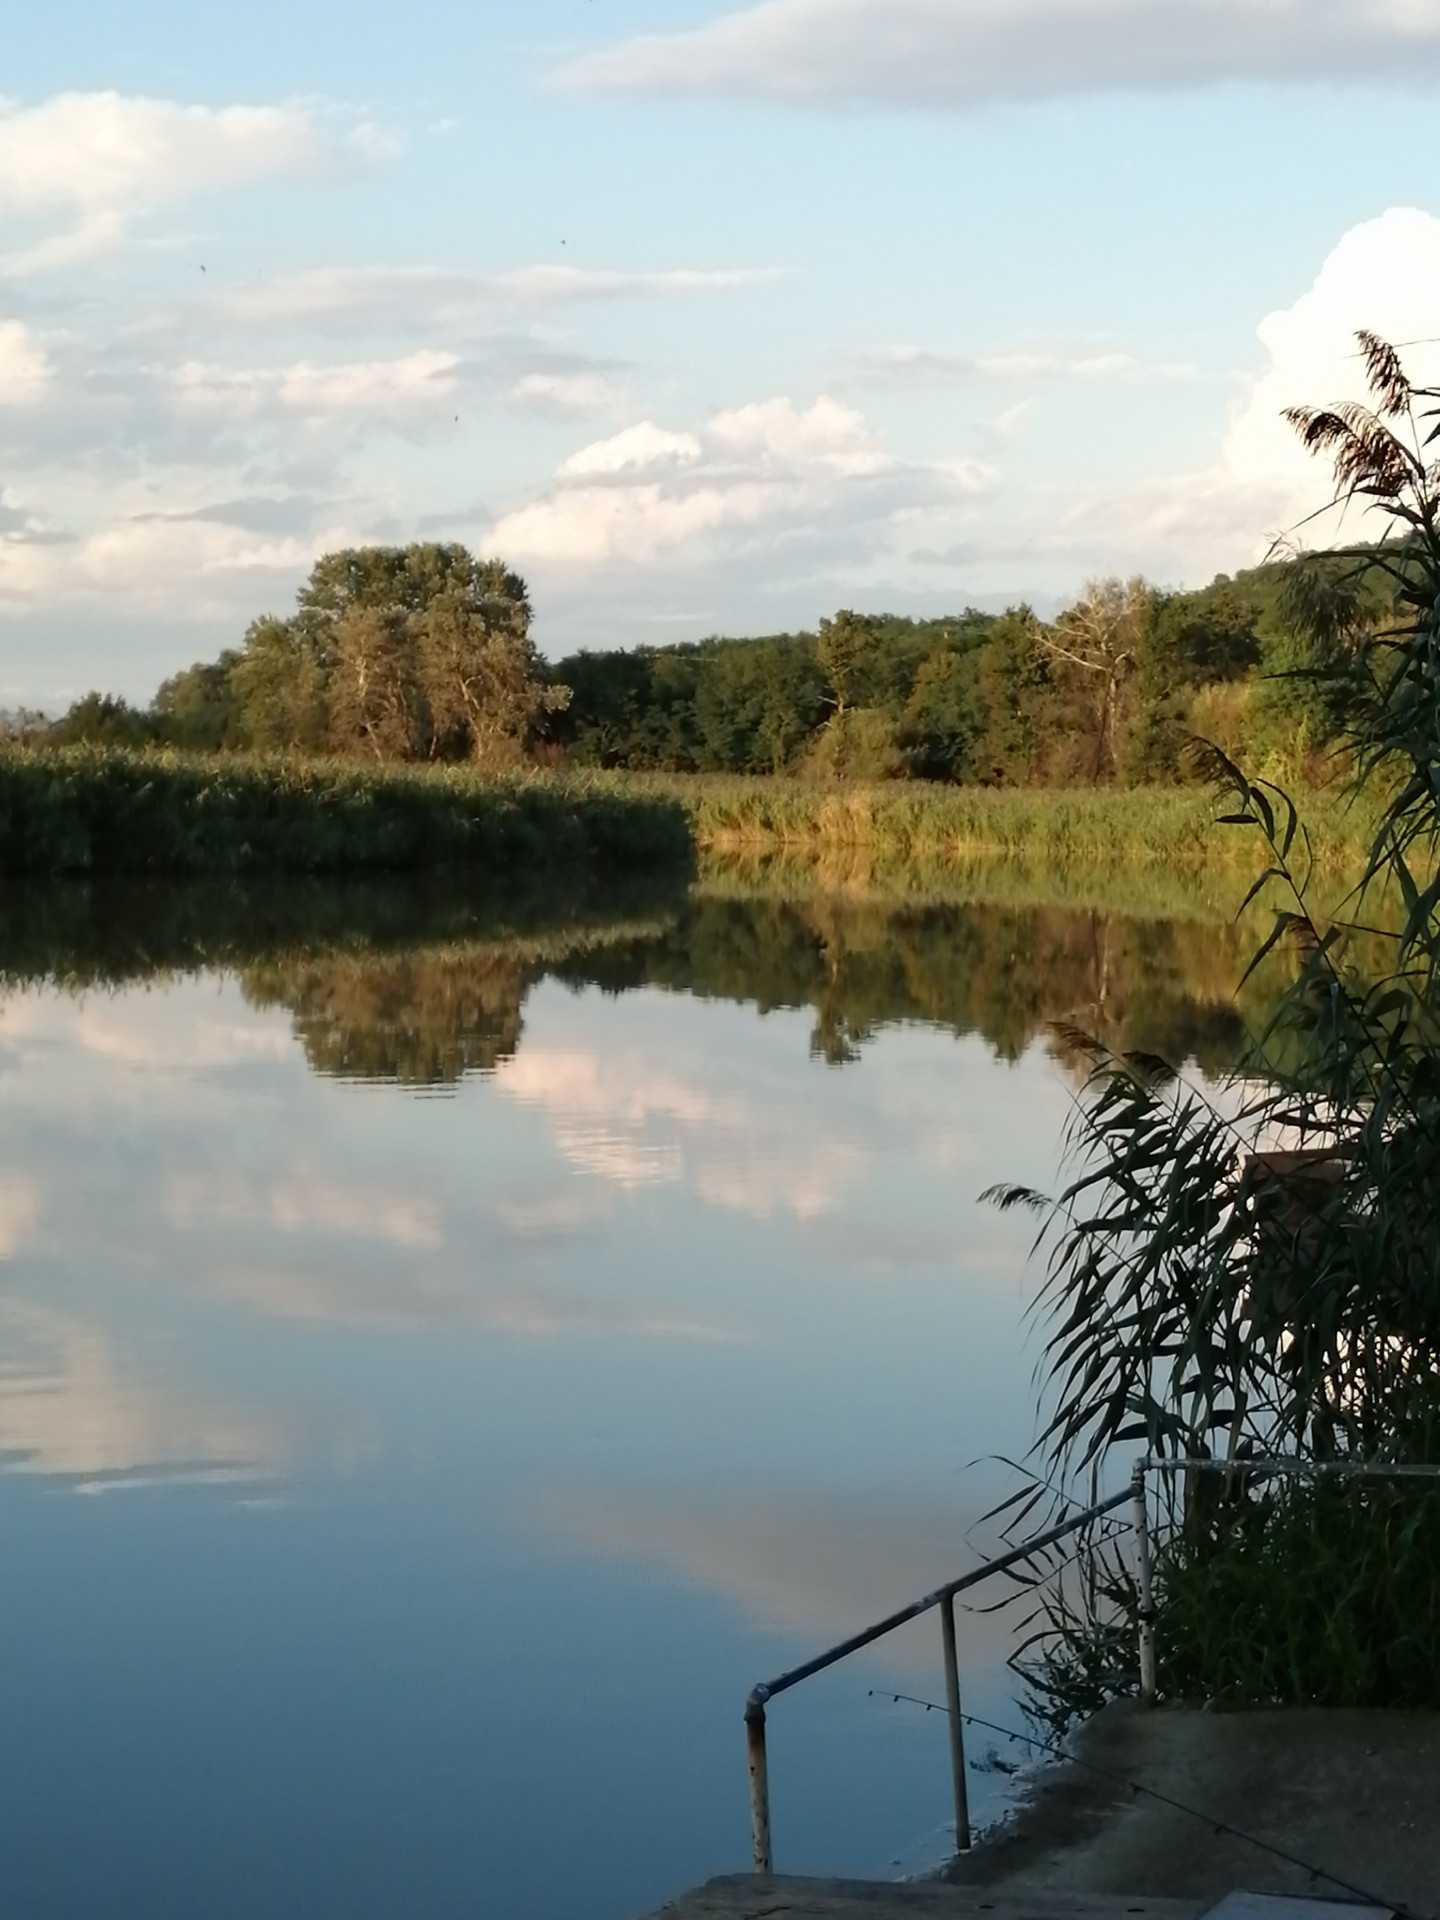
[77, 934]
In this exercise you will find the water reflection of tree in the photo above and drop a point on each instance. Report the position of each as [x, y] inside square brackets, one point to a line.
[427, 1017]
[423, 989]
[1003, 973]
[422, 1019]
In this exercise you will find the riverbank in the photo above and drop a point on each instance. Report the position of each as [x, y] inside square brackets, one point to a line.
[114, 811]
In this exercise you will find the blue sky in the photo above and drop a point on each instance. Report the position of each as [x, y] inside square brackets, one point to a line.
[706, 318]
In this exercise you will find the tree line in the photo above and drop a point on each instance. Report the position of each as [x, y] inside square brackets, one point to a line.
[425, 652]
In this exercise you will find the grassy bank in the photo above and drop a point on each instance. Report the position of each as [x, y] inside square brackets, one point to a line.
[1170, 827]
[116, 812]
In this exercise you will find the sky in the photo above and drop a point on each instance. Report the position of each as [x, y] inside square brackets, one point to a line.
[706, 318]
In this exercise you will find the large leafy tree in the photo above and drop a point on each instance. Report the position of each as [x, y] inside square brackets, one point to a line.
[400, 652]
[486, 688]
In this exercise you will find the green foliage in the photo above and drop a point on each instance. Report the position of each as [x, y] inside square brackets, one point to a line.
[424, 652]
[198, 709]
[1316, 1594]
[281, 686]
[102, 720]
[1256, 1271]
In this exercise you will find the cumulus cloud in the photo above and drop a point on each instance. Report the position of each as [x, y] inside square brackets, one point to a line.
[1383, 275]
[95, 159]
[750, 471]
[638, 449]
[964, 53]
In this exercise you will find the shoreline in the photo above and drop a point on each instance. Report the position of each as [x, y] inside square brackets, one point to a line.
[111, 811]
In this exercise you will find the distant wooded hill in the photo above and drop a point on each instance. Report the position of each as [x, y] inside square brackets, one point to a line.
[423, 652]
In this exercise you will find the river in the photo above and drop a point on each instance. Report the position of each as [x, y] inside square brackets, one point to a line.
[451, 1349]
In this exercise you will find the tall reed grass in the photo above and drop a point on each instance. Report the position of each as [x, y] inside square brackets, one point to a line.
[104, 811]
[1163, 827]
[112, 811]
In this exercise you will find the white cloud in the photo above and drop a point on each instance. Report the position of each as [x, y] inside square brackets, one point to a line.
[750, 471]
[638, 449]
[359, 297]
[963, 53]
[915, 367]
[566, 393]
[25, 369]
[96, 159]
[554, 283]
[1383, 275]
[409, 381]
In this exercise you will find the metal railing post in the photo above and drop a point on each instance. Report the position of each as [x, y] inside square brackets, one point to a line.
[1144, 1587]
[957, 1725]
[759, 1783]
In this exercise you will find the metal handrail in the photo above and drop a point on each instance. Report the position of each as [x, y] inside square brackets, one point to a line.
[1273, 1464]
[944, 1598]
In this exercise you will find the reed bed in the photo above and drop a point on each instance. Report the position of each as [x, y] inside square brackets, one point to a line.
[112, 812]
[1092, 828]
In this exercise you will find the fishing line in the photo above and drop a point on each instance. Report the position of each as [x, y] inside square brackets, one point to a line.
[1179, 1806]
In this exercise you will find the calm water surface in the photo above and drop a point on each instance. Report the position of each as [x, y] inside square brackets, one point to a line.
[445, 1361]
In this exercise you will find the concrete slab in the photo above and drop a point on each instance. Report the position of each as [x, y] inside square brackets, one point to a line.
[1352, 1797]
[744, 1896]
